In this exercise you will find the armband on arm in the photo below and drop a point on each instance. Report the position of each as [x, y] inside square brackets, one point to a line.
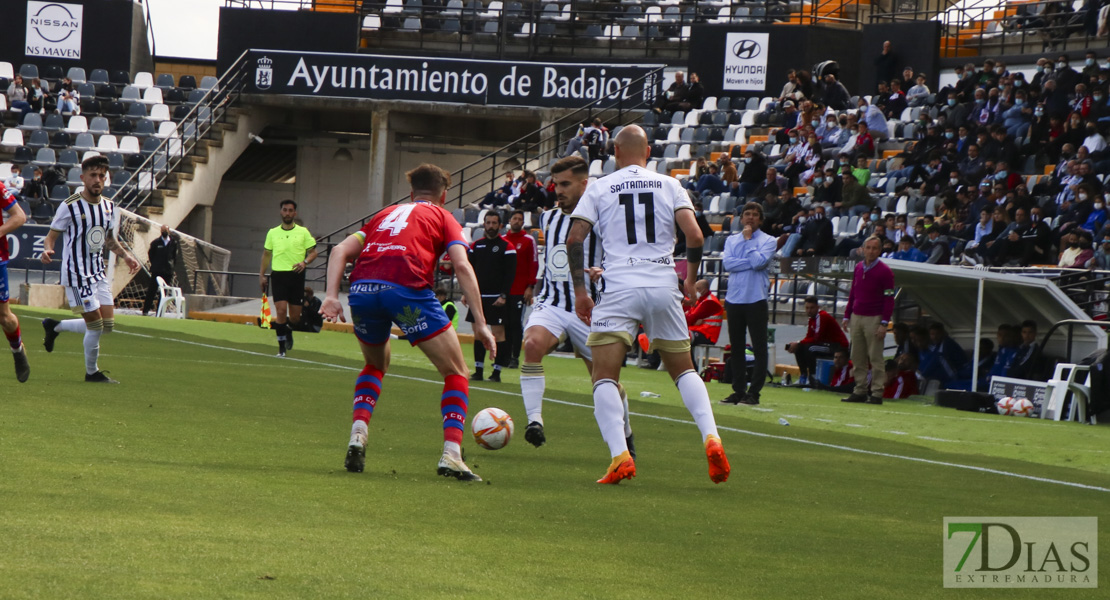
[693, 255]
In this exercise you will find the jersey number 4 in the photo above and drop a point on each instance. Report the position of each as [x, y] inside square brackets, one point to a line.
[629, 201]
[397, 220]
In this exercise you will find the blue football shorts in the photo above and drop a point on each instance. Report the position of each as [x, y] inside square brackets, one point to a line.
[377, 305]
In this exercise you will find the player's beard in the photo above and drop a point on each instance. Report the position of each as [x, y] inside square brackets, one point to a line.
[95, 189]
[287, 220]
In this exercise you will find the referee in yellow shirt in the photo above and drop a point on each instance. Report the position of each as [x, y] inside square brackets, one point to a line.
[289, 249]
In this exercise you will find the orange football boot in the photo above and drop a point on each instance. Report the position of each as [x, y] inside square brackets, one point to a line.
[718, 462]
[622, 467]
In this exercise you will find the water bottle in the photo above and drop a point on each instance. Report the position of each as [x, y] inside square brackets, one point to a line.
[783, 421]
[648, 395]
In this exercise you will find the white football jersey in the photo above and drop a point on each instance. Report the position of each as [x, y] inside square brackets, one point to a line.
[633, 214]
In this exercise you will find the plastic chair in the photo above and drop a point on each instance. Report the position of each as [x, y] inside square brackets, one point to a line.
[172, 302]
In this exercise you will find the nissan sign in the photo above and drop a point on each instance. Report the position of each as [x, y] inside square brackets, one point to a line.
[54, 30]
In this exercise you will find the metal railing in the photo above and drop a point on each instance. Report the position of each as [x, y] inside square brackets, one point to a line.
[472, 182]
[1069, 325]
[531, 30]
[1021, 28]
[193, 127]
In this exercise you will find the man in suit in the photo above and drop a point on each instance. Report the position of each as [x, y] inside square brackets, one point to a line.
[163, 256]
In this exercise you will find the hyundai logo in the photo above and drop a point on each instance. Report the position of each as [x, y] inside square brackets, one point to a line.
[746, 49]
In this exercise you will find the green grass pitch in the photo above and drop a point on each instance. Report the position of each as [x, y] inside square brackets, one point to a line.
[216, 471]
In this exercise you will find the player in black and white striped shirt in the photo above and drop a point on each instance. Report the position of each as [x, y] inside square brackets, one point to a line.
[85, 221]
[553, 313]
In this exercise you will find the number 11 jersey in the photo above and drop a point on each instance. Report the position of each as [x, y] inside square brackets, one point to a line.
[633, 214]
[402, 244]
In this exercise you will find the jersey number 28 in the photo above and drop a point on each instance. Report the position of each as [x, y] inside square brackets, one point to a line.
[629, 201]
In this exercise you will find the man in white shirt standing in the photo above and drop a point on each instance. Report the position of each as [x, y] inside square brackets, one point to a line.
[635, 214]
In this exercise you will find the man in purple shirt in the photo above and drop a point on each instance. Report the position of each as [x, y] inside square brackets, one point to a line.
[870, 305]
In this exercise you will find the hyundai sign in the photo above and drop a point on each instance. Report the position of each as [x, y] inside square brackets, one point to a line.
[746, 62]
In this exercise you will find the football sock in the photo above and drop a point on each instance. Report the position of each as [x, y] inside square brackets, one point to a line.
[479, 355]
[608, 412]
[71, 325]
[696, 398]
[280, 329]
[502, 359]
[532, 383]
[109, 325]
[627, 419]
[92, 345]
[452, 405]
[453, 449]
[368, 386]
[14, 339]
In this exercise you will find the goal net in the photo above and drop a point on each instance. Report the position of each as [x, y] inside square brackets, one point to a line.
[200, 267]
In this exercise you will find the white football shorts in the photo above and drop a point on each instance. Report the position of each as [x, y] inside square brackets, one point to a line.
[90, 297]
[618, 315]
[560, 322]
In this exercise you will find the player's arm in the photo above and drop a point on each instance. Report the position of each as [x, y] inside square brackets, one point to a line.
[576, 256]
[309, 257]
[266, 257]
[344, 253]
[469, 283]
[117, 248]
[16, 219]
[688, 223]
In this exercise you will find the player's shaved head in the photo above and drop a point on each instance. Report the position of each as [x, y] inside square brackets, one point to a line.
[428, 181]
[632, 147]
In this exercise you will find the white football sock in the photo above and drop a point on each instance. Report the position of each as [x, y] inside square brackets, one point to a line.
[453, 450]
[696, 398]
[608, 412]
[359, 432]
[532, 385]
[92, 349]
[71, 325]
[627, 418]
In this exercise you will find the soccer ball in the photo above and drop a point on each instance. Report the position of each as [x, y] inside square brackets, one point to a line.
[492, 428]
[1022, 407]
[1005, 405]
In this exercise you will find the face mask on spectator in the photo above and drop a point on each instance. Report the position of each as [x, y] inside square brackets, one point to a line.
[1038, 112]
[817, 181]
[951, 102]
[1089, 62]
[801, 220]
[1061, 65]
[747, 160]
[831, 125]
[815, 122]
[1019, 102]
[949, 134]
[1000, 175]
[843, 162]
[1017, 83]
[1097, 97]
[1098, 206]
[793, 141]
[1082, 196]
[953, 181]
[1040, 68]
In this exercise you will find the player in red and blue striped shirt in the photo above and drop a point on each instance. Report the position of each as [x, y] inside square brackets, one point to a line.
[395, 257]
[10, 323]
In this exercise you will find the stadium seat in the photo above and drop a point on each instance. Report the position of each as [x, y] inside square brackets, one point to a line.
[73, 176]
[107, 144]
[124, 126]
[7, 71]
[115, 160]
[45, 157]
[13, 138]
[23, 155]
[43, 213]
[153, 95]
[77, 124]
[38, 139]
[143, 80]
[29, 71]
[187, 82]
[166, 129]
[174, 97]
[99, 77]
[164, 82]
[53, 122]
[129, 144]
[99, 126]
[131, 93]
[114, 109]
[150, 145]
[59, 192]
[119, 78]
[159, 113]
[59, 140]
[90, 106]
[208, 82]
[76, 75]
[136, 110]
[143, 128]
[411, 24]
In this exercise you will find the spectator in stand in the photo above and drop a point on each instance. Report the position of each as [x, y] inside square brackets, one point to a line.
[1081, 102]
[854, 198]
[1094, 142]
[15, 182]
[755, 168]
[704, 317]
[1096, 219]
[18, 95]
[1102, 256]
[902, 384]
[533, 196]
[773, 184]
[886, 63]
[69, 101]
[500, 196]
[711, 183]
[594, 138]
[34, 191]
[1027, 361]
[789, 115]
[1018, 117]
[792, 90]
[907, 251]
[746, 257]
[918, 95]
[1072, 253]
[782, 215]
[972, 167]
[862, 172]
[826, 190]
[823, 339]
[865, 144]
[876, 122]
[835, 95]
[812, 235]
[1066, 77]
[524, 285]
[675, 96]
[870, 305]
[937, 246]
[896, 102]
[696, 95]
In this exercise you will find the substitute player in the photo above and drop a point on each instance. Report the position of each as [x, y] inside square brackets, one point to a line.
[395, 257]
[289, 249]
[636, 213]
[553, 313]
[86, 221]
[8, 320]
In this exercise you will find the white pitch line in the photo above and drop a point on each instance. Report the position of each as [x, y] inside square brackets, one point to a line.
[672, 420]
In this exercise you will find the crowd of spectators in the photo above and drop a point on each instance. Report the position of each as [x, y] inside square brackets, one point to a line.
[1004, 171]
